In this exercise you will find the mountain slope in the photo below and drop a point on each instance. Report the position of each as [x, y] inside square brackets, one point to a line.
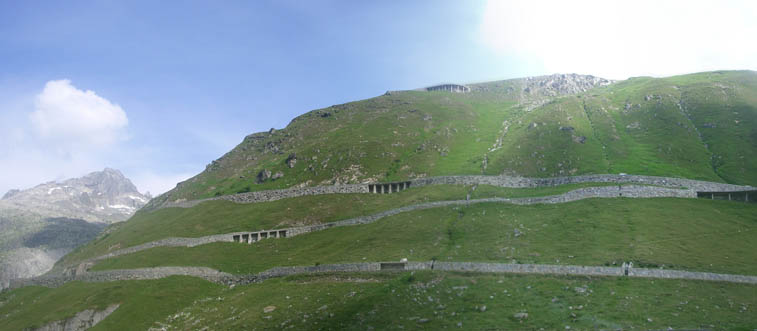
[694, 126]
[699, 126]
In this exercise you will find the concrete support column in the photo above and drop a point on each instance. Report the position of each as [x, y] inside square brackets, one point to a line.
[712, 196]
[729, 196]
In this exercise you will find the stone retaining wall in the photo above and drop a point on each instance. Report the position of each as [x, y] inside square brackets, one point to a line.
[501, 181]
[125, 274]
[524, 182]
[229, 279]
[273, 195]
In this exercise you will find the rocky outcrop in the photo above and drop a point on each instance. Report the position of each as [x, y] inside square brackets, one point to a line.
[83, 320]
[561, 84]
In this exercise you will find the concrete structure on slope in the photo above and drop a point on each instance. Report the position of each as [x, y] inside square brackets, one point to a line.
[449, 88]
[744, 196]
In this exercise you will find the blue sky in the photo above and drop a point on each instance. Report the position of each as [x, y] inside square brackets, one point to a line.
[158, 89]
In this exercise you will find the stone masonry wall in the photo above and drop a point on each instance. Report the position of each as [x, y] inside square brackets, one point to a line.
[501, 181]
[229, 279]
[126, 274]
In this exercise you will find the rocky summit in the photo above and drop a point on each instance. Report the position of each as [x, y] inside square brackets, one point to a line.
[102, 196]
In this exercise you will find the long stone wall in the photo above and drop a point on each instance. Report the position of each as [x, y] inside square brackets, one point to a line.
[500, 181]
[524, 182]
[125, 274]
[500, 268]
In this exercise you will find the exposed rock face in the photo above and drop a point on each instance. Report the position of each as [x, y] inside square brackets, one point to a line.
[103, 196]
[291, 160]
[83, 320]
[263, 175]
[41, 224]
[560, 84]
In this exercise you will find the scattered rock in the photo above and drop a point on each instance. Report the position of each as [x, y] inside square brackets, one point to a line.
[277, 175]
[566, 128]
[423, 320]
[291, 160]
[521, 316]
[634, 125]
[483, 308]
[269, 309]
[579, 139]
[263, 175]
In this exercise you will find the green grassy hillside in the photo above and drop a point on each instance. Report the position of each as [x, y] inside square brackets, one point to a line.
[699, 126]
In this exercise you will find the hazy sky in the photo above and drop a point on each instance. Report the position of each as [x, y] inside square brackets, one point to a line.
[158, 89]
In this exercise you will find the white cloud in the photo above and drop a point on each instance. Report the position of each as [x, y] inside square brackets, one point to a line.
[62, 132]
[618, 39]
[68, 115]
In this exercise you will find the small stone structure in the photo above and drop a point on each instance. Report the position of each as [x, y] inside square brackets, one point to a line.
[259, 235]
[449, 88]
[745, 196]
[388, 187]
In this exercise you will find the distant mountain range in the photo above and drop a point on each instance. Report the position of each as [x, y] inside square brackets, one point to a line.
[41, 224]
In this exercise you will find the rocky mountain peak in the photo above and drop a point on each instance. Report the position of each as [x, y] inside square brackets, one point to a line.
[101, 196]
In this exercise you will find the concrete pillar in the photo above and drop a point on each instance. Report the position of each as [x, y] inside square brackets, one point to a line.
[712, 196]
[729, 196]
[746, 196]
